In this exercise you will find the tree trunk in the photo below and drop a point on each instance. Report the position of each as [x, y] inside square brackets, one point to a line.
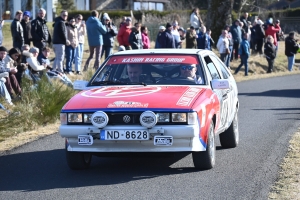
[218, 15]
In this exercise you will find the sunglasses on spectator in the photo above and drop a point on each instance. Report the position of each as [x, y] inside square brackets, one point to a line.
[187, 67]
[79, 18]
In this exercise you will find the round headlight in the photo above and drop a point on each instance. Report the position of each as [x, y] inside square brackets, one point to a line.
[99, 119]
[148, 119]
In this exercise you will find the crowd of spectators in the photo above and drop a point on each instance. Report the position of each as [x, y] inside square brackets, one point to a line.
[31, 42]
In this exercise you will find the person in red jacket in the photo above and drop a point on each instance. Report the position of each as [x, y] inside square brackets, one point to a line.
[123, 34]
[272, 30]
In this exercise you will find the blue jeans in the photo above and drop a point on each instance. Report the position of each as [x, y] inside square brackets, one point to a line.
[4, 93]
[107, 50]
[78, 57]
[227, 61]
[291, 62]
[244, 61]
[70, 55]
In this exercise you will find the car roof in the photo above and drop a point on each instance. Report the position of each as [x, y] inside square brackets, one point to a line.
[163, 51]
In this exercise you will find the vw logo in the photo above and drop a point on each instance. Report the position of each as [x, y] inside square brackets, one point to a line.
[126, 119]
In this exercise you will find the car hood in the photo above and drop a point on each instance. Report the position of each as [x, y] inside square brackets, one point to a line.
[131, 97]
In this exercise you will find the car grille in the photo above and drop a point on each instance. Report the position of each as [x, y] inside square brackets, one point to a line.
[124, 118]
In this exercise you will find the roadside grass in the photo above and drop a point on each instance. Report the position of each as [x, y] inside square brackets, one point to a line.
[287, 185]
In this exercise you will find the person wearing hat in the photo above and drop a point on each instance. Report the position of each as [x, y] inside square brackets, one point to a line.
[166, 39]
[272, 30]
[109, 36]
[160, 30]
[191, 38]
[95, 31]
[41, 36]
[26, 27]
[123, 34]
[17, 30]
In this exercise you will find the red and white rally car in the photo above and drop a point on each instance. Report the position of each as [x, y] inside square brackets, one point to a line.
[156, 100]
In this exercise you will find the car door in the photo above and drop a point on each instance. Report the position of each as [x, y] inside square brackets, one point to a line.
[221, 93]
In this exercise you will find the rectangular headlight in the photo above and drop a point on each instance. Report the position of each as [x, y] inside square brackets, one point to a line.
[74, 117]
[192, 118]
[63, 118]
[87, 117]
[163, 117]
[178, 117]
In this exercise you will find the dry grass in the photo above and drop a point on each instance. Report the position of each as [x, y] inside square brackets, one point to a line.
[287, 185]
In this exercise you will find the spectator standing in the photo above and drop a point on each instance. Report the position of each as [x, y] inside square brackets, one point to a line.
[269, 51]
[1, 33]
[11, 61]
[145, 37]
[166, 39]
[244, 19]
[176, 35]
[26, 25]
[253, 37]
[259, 36]
[191, 38]
[123, 34]
[272, 30]
[202, 39]
[135, 37]
[17, 30]
[123, 22]
[211, 42]
[161, 29]
[236, 33]
[72, 43]
[108, 37]
[41, 36]
[244, 52]
[223, 46]
[182, 34]
[81, 32]
[195, 19]
[291, 48]
[60, 40]
[95, 31]
[229, 36]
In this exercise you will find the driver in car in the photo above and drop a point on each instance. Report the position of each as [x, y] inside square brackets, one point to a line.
[134, 71]
[189, 72]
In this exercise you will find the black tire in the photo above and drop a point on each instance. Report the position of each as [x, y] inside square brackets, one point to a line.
[230, 138]
[206, 159]
[78, 160]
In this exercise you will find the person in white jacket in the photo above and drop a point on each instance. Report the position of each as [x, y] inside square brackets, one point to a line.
[81, 32]
[223, 45]
[195, 20]
[35, 67]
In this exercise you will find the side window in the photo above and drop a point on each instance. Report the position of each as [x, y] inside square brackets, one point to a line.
[212, 68]
[221, 67]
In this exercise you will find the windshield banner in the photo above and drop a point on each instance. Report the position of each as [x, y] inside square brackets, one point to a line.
[186, 59]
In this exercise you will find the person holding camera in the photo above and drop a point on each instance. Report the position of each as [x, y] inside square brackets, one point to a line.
[109, 36]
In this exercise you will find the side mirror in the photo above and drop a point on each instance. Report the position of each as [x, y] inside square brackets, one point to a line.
[79, 84]
[220, 84]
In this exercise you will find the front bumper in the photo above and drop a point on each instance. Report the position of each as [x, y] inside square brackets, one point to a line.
[185, 138]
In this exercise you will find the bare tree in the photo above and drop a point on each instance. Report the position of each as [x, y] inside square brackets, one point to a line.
[218, 15]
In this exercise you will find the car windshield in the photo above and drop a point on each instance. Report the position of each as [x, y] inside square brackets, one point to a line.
[150, 70]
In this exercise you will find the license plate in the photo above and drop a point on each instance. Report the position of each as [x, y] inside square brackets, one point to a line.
[124, 135]
[163, 140]
[85, 140]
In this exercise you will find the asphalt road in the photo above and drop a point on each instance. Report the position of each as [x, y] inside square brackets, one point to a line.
[269, 114]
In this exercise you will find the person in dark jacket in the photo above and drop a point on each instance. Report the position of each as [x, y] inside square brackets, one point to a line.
[17, 31]
[26, 25]
[253, 37]
[39, 30]
[291, 48]
[161, 29]
[166, 39]
[270, 52]
[259, 36]
[244, 19]
[60, 40]
[236, 33]
[109, 36]
[203, 39]
[135, 37]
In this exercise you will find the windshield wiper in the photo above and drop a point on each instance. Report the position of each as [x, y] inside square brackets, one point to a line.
[137, 83]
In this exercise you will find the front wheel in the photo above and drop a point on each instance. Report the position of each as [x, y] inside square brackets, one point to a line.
[206, 159]
[230, 138]
[78, 160]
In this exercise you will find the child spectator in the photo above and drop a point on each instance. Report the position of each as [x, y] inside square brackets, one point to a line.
[270, 52]
[244, 52]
